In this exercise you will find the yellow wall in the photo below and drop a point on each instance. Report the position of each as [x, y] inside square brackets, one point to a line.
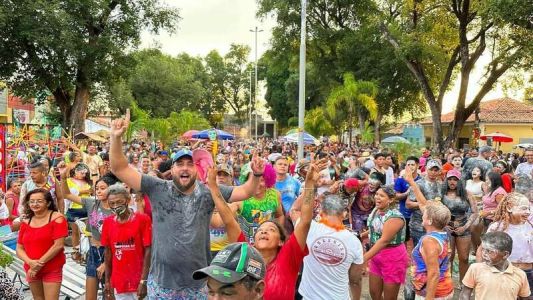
[516, 131]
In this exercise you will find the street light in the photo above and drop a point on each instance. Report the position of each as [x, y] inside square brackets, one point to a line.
[255, 86]
[301, 88]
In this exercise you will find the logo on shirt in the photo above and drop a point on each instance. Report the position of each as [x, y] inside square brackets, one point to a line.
[329, 251]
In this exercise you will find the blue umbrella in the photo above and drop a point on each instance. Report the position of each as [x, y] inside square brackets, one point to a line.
[221, 134]
[395, 139]
[308, 139]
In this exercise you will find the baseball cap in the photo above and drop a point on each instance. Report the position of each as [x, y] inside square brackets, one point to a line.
[225, 168]
[182, 153]
[433, 163]
[233, 263]
[453, 173]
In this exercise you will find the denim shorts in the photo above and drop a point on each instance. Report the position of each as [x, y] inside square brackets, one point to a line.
[156, 292]
[74, 214]
[94, 260]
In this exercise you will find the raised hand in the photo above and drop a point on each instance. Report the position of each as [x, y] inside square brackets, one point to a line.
[408, 176]
[211, 177]
[63, 170]
[313, 174]
[258, 164]
[120, 125]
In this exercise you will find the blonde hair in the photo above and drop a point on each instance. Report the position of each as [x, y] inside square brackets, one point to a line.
[502, 214]
[438, 214]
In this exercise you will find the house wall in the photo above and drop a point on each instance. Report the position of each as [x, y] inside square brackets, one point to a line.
[516, 131]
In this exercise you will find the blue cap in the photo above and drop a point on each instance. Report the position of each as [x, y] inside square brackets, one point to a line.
[182, 153]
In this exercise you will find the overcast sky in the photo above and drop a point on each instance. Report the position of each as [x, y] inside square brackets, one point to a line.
[216, 24]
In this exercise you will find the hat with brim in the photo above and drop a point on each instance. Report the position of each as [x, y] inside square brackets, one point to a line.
[218, 273]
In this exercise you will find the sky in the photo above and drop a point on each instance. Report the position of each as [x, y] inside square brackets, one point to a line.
[216, 24]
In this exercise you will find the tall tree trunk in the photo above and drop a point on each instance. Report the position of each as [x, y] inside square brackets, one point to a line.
[377, 126]
[62, 99]
[438, 140]
[81, 103]
[350, 128]
[362, 119]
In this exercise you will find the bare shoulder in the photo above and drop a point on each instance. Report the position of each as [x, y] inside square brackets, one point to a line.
[58, 217]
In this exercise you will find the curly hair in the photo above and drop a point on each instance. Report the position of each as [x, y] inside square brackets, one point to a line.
[28, 213]
[502, 214]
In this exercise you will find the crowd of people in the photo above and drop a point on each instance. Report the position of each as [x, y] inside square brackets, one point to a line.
[250, 221]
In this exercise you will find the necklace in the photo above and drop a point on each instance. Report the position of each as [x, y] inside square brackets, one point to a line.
[333, 225]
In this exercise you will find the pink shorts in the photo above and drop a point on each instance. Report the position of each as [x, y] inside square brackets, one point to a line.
[48, 276]
[390, 264]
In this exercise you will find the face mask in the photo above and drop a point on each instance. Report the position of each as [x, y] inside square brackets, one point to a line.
[119, 209]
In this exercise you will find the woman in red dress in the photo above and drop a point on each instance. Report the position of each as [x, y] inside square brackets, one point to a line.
[41, 243]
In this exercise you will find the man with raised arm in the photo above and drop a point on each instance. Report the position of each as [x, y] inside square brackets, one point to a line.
[182, 208]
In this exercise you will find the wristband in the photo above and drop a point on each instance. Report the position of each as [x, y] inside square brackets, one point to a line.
[258, 174]
[143, 282]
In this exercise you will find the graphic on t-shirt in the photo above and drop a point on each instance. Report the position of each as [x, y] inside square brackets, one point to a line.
[329, 250]
[127, 245]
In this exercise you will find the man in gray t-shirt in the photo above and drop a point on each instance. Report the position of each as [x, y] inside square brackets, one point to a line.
[181, 212]
[480, 162]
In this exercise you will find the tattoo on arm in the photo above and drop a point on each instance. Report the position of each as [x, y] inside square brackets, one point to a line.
[308, 197]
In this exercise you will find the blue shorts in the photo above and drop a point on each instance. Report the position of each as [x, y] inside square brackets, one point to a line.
[74, 214]
[94, 259]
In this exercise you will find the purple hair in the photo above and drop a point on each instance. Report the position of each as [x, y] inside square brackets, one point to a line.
[269, 176]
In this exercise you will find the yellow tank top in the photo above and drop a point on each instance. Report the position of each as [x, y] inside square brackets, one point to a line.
[75, 189]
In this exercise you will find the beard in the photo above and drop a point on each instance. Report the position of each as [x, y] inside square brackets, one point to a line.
[184, 187]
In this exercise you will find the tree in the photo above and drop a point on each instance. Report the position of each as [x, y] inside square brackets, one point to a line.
[69, 46]
[438, 40]
[343, 36]
[161, 83]
[229, 79]
[357, 97]
[316, 123]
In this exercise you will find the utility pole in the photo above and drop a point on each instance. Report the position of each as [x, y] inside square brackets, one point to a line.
[301, 87]
[255, 86]
[250, 105]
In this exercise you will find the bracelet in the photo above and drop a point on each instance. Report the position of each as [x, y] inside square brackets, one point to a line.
[258, 174]
[143, 282]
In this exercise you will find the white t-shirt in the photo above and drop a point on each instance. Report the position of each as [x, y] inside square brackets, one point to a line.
[389, 176]
[522, 236]
[331, 254]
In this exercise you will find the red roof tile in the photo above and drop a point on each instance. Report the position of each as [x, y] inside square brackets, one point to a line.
[502, 110]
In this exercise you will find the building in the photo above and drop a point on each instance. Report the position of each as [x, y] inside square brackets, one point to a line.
[505, 115]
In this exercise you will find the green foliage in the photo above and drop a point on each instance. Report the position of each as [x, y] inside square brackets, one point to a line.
[229, 79]
[5, 258]
[165, 129]
[68, 46]
[403, 150]
[316, 123]
[343, 37]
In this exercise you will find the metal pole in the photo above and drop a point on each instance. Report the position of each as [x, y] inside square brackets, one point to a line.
[301, 89]
[250, 105]
[255, 82]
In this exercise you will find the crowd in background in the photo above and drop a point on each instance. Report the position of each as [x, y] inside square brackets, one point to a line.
[154, 215]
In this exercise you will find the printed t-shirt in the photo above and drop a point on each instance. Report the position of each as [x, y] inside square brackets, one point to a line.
[96, 215]
[38, 240]
[332, 253]
[289, 189]
[377, 220]
[180, 231]
[490, 283]
[127, 242]
[256, 211]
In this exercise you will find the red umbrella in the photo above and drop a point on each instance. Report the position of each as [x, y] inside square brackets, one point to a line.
[497, 137]
[188, 135]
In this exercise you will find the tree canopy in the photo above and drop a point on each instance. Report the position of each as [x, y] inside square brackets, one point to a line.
[67, 47]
